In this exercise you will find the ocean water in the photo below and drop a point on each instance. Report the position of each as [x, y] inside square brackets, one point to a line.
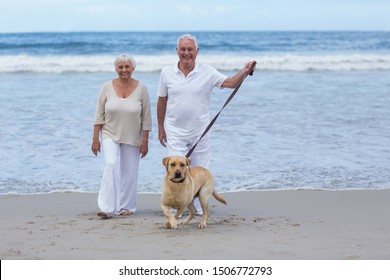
[315, 115]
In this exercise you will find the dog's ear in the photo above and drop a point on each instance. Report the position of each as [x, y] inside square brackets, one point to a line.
[165, 161]
[188, 162]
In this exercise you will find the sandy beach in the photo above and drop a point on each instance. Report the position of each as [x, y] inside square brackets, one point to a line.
[273, 225]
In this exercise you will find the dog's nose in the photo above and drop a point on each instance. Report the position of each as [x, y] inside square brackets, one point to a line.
[177, 174]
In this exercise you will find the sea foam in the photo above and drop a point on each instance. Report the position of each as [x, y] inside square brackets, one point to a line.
[154, 63]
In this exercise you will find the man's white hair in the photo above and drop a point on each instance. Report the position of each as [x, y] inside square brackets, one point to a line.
[187, 36]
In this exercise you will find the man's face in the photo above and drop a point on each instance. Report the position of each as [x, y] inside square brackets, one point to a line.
[187, 52]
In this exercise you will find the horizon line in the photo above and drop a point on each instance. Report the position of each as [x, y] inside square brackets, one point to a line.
[194, 31]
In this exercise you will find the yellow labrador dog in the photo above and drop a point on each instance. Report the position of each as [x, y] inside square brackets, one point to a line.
[182, 184]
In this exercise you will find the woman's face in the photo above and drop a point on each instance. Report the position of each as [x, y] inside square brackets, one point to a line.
[124, 69]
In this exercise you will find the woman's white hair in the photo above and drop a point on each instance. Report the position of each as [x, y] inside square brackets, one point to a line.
[125, 58]
[187, 36]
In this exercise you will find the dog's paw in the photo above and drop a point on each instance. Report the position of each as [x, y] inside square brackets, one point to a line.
[184, 222]
[168, 225]
[201, 225]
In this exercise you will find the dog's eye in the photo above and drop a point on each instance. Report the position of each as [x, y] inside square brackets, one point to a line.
[182, 165]
[173, 164]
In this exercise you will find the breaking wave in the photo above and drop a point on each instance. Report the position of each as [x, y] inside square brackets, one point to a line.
[154, 63]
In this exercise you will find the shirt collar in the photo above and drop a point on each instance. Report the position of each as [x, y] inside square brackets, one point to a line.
[195, 70]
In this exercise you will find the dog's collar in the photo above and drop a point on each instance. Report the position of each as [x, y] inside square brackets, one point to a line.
[178, 182]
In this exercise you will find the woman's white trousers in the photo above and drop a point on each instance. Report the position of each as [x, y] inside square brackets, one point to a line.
[118, 190]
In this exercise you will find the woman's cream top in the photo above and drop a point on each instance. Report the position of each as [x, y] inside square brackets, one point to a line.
[123, 119]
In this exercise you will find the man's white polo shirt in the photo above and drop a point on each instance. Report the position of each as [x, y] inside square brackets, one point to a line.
[188, 103]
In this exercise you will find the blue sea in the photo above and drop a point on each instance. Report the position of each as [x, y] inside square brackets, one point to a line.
[315, 114]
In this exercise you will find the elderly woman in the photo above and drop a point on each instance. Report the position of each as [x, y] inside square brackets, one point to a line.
[122, 123]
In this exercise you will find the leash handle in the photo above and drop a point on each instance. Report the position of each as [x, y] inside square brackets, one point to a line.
[250, 73]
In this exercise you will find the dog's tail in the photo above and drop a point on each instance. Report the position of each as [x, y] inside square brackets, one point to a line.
[219, 198]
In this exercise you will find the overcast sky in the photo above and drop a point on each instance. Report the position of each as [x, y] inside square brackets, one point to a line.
[194, 15]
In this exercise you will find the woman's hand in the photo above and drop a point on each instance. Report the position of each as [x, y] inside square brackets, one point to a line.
[143, 149]
[95, 147]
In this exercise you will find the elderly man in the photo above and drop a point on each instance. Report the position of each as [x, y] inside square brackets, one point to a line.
[184, 99]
